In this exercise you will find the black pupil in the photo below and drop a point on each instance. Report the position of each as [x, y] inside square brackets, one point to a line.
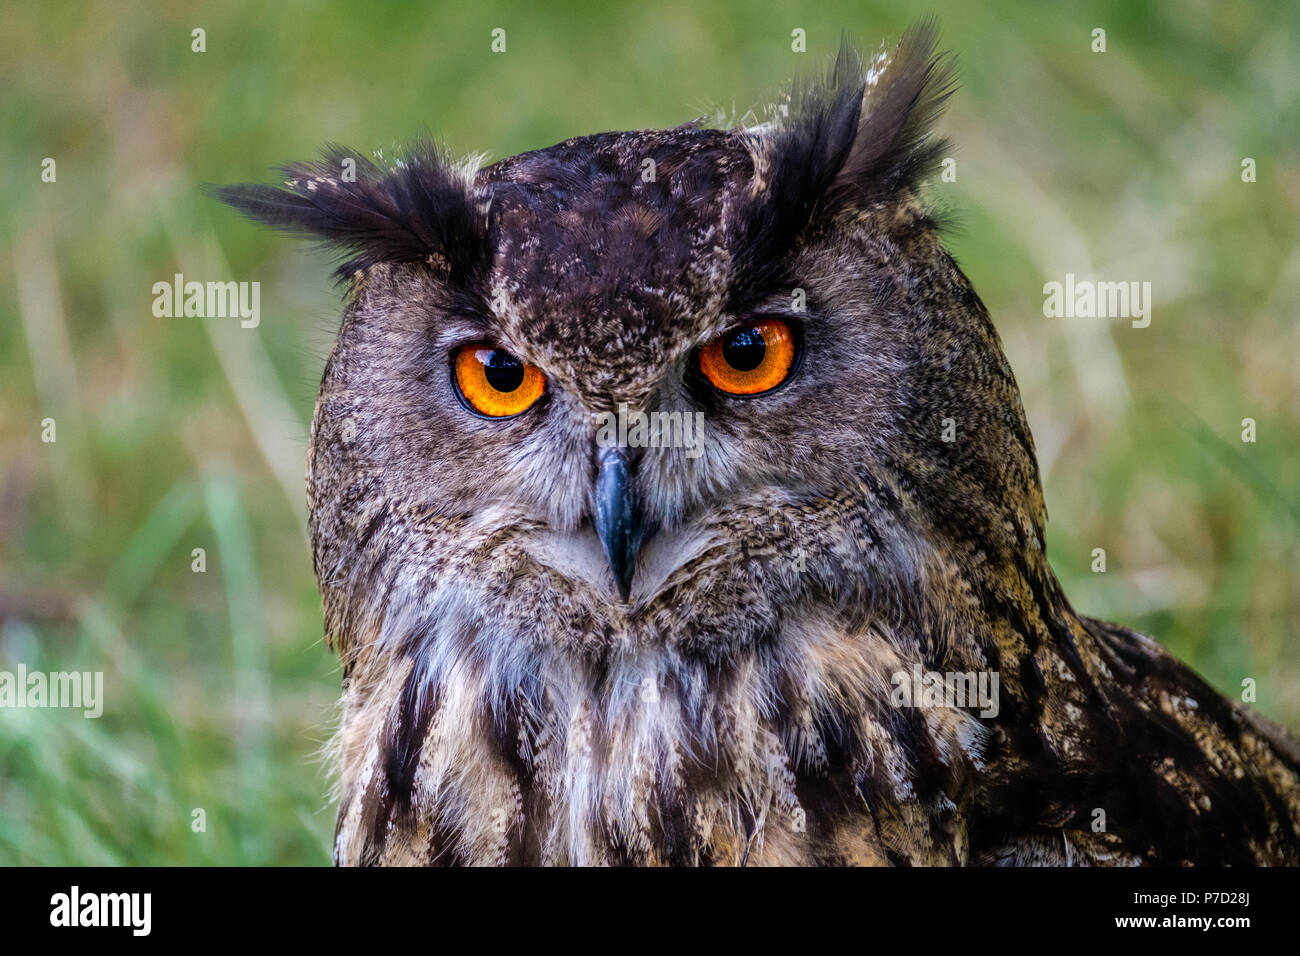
[504, 372]
[745, 350]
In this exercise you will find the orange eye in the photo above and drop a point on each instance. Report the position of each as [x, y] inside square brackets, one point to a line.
[750, 359]
[495, 383]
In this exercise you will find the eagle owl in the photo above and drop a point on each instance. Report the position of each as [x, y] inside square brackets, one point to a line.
[566, 643]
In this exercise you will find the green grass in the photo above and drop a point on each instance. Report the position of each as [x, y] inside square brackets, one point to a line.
[178, 434]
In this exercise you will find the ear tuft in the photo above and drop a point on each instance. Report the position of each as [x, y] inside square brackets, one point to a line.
[862, 136]
[420, 208]
[902, 97]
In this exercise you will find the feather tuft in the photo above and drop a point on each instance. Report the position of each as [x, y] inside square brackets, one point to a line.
[423, 207]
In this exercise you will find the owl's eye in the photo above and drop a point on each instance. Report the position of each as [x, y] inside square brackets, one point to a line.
[750, 359]
[493, 382]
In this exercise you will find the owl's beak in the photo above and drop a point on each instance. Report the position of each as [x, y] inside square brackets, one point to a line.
[618, 521]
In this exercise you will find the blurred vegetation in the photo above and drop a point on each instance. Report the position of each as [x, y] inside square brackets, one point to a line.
[176, 434]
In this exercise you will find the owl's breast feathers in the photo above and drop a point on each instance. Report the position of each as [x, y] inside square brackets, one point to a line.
[464, 746]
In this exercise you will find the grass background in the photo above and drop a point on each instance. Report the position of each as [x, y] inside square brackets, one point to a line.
[175, 434]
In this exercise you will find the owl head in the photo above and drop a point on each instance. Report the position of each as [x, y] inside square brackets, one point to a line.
[613, 374]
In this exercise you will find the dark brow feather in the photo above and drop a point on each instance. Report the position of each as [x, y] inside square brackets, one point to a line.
[420, 208]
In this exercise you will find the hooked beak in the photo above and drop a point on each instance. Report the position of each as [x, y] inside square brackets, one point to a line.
[618, 521]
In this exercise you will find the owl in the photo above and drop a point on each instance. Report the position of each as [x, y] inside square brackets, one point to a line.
[672, 503]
